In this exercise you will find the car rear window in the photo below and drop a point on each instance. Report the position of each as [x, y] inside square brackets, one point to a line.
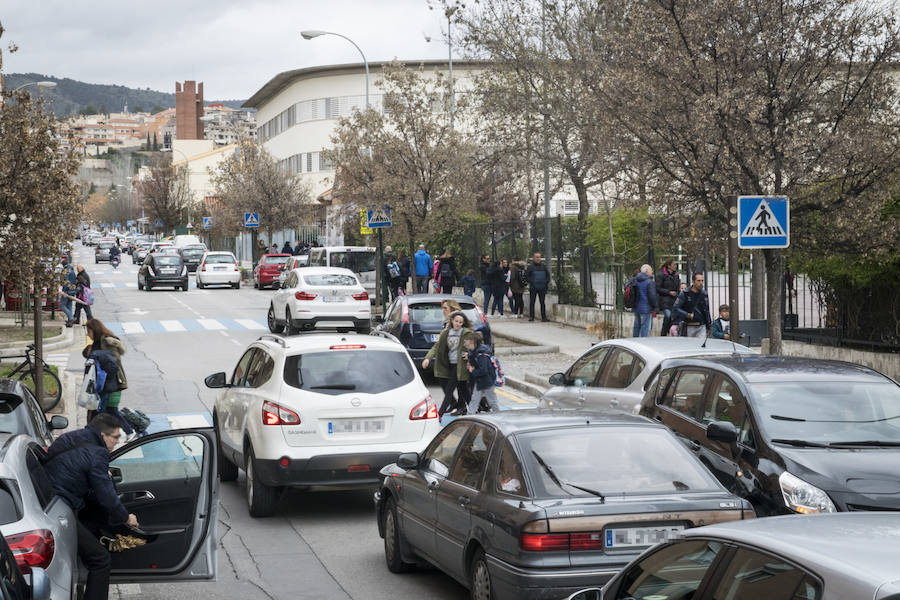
[10, 502]
[106, 244]
[338, 372]
[615, 461]
[12, 420]
[358, 262]
[328, 279]
[275, 260]
[426, 312]
[167, 261]
[220, 258]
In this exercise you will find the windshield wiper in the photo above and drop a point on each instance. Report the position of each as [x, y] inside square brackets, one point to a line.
[561, 483]
[866, 443]
[334, 386]
[801, 443]
[783, 418]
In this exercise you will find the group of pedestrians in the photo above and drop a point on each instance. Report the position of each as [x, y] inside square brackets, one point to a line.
[75, 294]
[396, 271]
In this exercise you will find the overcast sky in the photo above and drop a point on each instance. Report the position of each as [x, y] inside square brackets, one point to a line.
[233, 46]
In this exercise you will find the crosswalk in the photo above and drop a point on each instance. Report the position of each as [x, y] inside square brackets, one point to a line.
[185, 325]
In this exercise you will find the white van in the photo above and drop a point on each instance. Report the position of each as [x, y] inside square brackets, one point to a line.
[185, 240]
[359, 259]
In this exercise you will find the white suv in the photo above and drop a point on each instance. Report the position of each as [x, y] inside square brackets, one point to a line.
[318, 411]
[320, 297]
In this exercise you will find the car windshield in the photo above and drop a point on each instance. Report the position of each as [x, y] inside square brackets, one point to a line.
[426, 312]
[358, 262]
[355, 371]
[220, 258]
[329, 279]
[612, 461]
[828, 411]
[194, 249]
[275, 260]
[167, 261]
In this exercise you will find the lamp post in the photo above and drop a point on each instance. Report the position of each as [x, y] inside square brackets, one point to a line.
[314, 33]
[47, 85]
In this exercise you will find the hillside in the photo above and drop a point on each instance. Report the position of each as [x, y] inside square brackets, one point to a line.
[71, 97]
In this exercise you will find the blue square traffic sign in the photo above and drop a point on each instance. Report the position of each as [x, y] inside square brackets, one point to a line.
[207, 222]
[251, 219]
[764, 222]
[379, 217]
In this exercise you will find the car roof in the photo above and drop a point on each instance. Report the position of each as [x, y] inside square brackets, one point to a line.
[662, 347]
[318, 341]
[219, 252]
[432, 298]
[514, 421]
[861, 542]
[758, 369]
[324, 270]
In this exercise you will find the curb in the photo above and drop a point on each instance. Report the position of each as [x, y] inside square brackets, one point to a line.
[541, 382]
[522, 386]
[509, 350]
[60, 341]
[512, 338]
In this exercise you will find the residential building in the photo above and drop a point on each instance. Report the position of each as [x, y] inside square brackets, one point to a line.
[224, 125]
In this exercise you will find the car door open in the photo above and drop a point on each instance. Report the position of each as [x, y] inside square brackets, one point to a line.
[168, 480]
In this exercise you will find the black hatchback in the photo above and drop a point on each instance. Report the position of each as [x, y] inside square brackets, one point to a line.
[535, 504]
[416, 321]
[192, 254]
[789, 434]
[163, 269]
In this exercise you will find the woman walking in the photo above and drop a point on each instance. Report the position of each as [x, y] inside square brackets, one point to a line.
[82, 280]
[104, 339]
[446, 272]
[449, 357]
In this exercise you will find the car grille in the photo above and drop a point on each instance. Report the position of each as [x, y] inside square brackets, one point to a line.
[864, 508]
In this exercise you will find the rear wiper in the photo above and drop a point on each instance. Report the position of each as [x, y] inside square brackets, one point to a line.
[561, 483]
[866, 443]
[783, 418]
[334, 386]
[801, 443]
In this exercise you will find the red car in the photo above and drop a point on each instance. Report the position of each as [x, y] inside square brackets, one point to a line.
[267, 270]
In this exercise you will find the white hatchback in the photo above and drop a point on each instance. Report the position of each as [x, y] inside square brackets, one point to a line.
[218, 268]
[320, 411]
[320, 298]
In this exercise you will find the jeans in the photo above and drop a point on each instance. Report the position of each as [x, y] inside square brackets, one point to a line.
[96, 559]
[65, 305]
[87, 311]
[642, 323]
[534, 295]
[667, 321]
[490, 397]
[462, 392]
[486, 290]
[422, 284]
[499, 295]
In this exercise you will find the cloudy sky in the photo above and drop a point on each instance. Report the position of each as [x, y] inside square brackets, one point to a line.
[233, 46]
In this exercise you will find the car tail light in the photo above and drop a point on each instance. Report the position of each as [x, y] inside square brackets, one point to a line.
[236, 267]
[592, 540]
[362, 296]
[304, 296]
[203, 268]
[347, 347]
[404, 314]
[426, 409]
[544, 542]
[32, 549]
[275, 414]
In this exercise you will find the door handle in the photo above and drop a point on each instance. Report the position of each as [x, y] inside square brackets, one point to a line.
[141, 496]
[463, 500]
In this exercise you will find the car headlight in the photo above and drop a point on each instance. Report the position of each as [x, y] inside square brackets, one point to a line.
[802, 497]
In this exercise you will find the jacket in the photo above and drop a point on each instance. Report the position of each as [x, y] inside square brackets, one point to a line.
[646, 300]
[718, 329]
[667, 281]
[70, 284]
[468, 283]
[423, 263]
[107, 361]
[495, 280]
[689, 301]
[439, 353]
[404, 267]
[514, 284]
[286, 249]
[114, 345]
[450, 262]
[76, 472]
[538, 276]
[482, 273]
[483, 376]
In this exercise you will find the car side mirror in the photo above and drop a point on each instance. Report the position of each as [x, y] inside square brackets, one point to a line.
[558, 379]
[40, 584]
[115, 474]
[408, 460]
[588, 594]
[58, 422]
[722, 431]
[216, 380]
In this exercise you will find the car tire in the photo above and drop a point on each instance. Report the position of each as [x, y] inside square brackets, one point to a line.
[256, 285]
[148, 287]
[480, 585]
[140, 285]
[228, 471]
[274, 327]
[184, 288]
[289, 324]
[199, 285]
[261, 498]
[237, 285]
[395, 562]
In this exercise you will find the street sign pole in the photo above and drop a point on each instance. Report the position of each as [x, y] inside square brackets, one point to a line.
[733, 304]
[382, 289]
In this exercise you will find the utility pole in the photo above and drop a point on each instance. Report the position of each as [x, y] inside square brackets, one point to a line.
[548, 227]
[733, 303]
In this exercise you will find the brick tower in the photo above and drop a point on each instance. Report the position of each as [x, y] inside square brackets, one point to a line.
[188, 110]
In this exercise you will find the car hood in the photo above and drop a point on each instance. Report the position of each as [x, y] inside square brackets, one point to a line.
[865, 471]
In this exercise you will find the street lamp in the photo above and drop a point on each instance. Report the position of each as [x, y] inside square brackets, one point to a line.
[314, 33]
[47, 85]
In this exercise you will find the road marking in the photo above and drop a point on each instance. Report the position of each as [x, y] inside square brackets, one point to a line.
[107, 285]
[249, 324]
[235, 342]
[512, 397]
[188, 421]
[210, 324]
[173, 326]
[130, 327]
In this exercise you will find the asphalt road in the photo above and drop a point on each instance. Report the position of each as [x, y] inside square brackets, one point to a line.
[318, 545]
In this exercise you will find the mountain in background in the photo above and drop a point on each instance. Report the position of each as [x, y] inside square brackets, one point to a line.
[71, 97]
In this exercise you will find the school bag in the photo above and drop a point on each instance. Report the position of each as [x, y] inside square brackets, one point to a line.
[522, 277]
[499, 377]
[446, 270]
[630, 294]
[87, 295]
[394, 269]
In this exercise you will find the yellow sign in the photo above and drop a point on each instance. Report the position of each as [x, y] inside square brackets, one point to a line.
[363, 223]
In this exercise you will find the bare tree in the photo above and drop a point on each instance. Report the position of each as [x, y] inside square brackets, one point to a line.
[165, 192]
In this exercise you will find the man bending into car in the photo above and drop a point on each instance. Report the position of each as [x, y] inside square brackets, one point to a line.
[78, 464]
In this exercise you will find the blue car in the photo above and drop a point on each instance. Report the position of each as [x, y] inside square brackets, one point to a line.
[416, 321]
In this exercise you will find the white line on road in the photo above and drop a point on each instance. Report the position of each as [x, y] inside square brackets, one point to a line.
[130, 327]
[172, 326]
[210, 324]
[235, 342]
[248, 323]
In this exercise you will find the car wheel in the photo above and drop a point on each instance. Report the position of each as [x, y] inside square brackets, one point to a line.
[256, 285]
[147, 286]
[261, 498]
[395, 563]
[228, 471]
[140, 285]
[184, 288]
[274, 327]
[480, 578]
[199, 285]
[237, 285]
[289, 324]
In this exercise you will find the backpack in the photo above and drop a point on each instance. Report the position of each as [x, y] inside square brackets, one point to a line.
[499, 377]
[136, 418]
[394, 270]
[630, 295]
[446, 270]
[522, 277]
[87, 295]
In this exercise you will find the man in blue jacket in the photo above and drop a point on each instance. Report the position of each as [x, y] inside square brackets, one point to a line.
[424, 265]
[78, 465]
[645, 301]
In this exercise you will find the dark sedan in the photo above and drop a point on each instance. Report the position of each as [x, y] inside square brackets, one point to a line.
[790, 434]
[21, 413]
[192, 254]
[538, 504]
[416, 321]
[163, 269]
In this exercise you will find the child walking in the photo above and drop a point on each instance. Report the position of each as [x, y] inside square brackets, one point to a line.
[481, 372]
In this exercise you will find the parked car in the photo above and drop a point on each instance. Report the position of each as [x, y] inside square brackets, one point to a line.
[538, 504]
[323, 410]
[266, 270]
[825, 557]
[294, 262]
[416, 321]
[614, 374]
[789, 434]
[359, 259]
[218, 268]
[93, 238]
[21, 413]
[320, 298]
[101, 252]
[191, 254]
[13, 585]
[140, 252]
[168, 480]
[163, 269]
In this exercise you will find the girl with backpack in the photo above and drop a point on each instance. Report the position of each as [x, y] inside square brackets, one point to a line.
[446, 272]
[450, 363]
[481, 372]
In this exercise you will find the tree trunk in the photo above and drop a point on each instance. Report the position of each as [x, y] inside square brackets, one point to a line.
[774, 275]
[587, 298]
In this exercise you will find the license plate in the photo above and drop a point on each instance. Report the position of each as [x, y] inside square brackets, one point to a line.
[167, 271]
[632, 537]
[356, 426]
[219, 268]
[333, 298]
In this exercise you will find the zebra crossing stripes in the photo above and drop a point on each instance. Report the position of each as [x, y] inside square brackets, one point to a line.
[185, 325]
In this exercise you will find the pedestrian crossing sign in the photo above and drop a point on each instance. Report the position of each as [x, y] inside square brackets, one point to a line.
[251, 219]
[379, 217]
[207, 222]
[764, 222]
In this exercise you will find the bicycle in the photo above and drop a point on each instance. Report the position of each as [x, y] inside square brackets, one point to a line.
[52, 385]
